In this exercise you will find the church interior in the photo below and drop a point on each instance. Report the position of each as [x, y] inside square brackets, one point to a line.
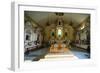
[56, 36]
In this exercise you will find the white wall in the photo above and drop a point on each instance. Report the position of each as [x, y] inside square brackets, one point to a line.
[29, 30]
[5, 37]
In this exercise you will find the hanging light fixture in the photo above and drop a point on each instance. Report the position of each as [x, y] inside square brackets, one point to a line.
[71, 22]
[47, 23]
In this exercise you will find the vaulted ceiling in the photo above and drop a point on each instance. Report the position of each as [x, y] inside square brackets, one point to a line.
[42, 18]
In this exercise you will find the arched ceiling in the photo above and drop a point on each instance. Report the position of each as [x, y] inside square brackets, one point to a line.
[43, 17]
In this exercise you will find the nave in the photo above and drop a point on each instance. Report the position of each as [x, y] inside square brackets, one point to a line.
[56, 36]
[45, 55]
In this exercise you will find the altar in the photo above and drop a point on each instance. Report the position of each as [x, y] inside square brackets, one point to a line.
[58, 48]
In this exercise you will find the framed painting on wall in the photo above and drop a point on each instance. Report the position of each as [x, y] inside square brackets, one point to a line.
[71, 44]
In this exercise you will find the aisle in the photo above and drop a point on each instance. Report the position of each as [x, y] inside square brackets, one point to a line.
[67, 55]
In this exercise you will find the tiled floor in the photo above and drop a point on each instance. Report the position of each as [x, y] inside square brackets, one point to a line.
[41, 53]
[80, 53]
[36, 55]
